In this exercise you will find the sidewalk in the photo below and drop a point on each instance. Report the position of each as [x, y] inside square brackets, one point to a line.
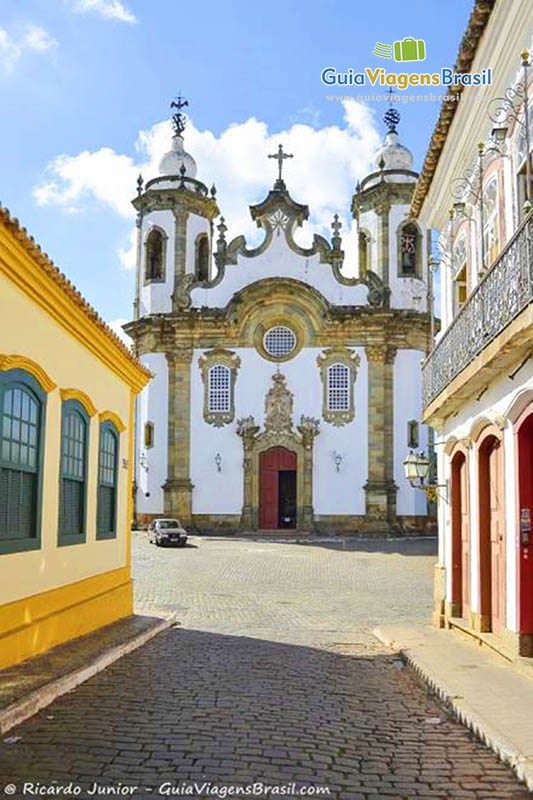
[486, 693]
[28, 687]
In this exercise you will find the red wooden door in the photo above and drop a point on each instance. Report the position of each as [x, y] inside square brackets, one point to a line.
[465, 542]
[270, 463]
[497, 538]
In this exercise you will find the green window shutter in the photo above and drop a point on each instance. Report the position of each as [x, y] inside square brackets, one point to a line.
[72, 485]
[22, 403]
[107, 482]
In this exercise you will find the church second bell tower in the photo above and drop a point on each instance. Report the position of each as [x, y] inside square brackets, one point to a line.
[174, 229]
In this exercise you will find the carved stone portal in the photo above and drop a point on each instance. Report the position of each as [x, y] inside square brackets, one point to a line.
[278, 431]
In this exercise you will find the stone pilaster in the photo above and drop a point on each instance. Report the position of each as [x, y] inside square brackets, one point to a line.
[380, 488]
[180, 253]
[178, 487]
[383, 212]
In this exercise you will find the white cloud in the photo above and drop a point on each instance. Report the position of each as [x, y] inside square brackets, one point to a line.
[116, 327]
[108, 9]
[326, 166]
[9, 52]
[36, 38]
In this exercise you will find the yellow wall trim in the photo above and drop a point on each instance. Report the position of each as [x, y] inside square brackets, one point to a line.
[35, 624]
[25, 265]
[81, 397]
[110, 416]
[22, 362]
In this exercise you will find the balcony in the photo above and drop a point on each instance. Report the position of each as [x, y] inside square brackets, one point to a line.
[473, 339]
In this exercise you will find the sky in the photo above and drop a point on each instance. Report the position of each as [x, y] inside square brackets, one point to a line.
[86, 87]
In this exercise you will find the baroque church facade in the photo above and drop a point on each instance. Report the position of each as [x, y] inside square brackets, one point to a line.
[285, 394]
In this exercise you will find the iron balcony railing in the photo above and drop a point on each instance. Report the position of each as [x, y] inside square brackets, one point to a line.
[500, 296]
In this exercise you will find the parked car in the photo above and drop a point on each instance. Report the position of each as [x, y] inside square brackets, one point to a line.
[167, 531]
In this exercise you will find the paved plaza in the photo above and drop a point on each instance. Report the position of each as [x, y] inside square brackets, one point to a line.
[273, 678]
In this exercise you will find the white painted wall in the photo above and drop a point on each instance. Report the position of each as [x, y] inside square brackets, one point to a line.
[279, 261]
[152, 406]
[496, 401]
[407, 406]
[334, 492]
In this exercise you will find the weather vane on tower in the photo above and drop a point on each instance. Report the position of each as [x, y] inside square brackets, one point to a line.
[391, 117]
[179, 120]
[280, 156]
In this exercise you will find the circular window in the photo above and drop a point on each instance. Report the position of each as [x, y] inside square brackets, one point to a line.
[279, 341]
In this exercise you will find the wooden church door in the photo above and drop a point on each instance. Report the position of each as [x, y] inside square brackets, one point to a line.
[274, 464]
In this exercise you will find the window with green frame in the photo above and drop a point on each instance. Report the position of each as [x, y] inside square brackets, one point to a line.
[73, 475]
[22, 414]
[107, 482]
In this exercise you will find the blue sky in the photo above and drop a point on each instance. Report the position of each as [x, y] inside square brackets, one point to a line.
[87, 76]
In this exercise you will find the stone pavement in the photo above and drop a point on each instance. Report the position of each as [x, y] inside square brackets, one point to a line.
[485, 691]
[274, 679]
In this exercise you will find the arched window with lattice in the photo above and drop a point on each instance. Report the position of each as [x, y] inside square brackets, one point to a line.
[338, 371]
[219, 373]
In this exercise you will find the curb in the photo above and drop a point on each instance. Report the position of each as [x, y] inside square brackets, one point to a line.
[521, 764]
[40, 698]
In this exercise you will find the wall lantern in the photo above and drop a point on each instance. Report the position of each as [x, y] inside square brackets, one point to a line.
[218, 462]
[337, 460]
[416, 466]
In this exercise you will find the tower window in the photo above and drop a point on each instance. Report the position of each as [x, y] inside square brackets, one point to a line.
[155, 252]
[409, 247]
[219, 388]
[338, 387]
[364, 254]
[149, 434]
[202, 257]
[413, 439]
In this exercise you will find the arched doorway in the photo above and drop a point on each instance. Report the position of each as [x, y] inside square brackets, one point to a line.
[277, 488]
[460, 537]
[491, 534]
[525, 533]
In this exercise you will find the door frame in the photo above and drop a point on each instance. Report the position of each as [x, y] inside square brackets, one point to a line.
[304, 476]
[460, 583]
[484, 617]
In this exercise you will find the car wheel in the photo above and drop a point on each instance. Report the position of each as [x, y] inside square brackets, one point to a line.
[182, 544]
[157, 543]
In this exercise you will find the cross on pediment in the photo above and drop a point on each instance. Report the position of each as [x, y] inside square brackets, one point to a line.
[280, 156]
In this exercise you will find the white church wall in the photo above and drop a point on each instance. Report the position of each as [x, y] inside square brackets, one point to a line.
[152, 406]
[368, 221]
[156, 297]
[279, 261]
[342, 492]
[407, 406]
[334, 492]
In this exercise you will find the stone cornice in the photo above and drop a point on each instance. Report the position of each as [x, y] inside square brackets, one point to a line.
[176, 199]
[467, 50]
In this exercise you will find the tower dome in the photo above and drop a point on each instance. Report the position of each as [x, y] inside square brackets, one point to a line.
[176, 158]
[392, 154]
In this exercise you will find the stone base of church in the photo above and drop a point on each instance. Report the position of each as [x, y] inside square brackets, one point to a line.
[323, 524]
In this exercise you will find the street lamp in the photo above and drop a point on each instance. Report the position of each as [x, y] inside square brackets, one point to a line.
[416, 467]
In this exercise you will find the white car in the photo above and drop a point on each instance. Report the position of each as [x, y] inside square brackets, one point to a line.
[167, 531]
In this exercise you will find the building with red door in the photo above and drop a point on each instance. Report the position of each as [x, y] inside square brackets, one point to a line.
[286, 388]
[476, 189]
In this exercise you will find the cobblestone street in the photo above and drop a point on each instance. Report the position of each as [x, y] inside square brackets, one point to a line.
[273, 677]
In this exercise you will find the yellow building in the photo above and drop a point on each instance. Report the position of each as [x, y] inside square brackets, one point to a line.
[67, 400]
